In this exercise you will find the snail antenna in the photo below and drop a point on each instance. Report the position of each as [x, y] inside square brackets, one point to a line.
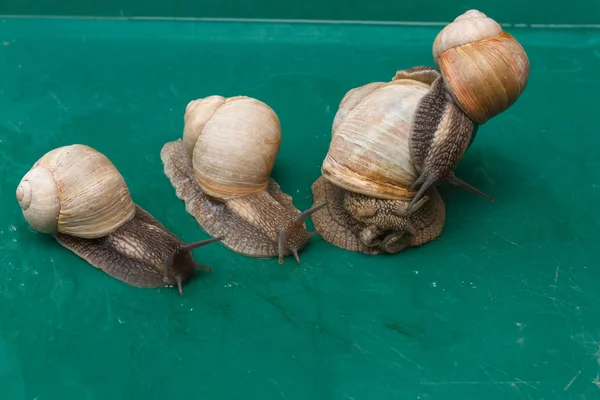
[462, 184]
[203, 267]
[194, 245]
[295, 252]
[304, 215]
[179, 285]
[430, 180]
[284, 234]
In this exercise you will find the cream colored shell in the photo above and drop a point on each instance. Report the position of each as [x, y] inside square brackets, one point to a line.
[472, 26]
[234, 143]
[77, 191]
[370, 149]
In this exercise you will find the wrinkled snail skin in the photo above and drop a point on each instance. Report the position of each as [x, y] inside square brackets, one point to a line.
[221, 170]
[77, 195]
[365, 232]
[369, 171]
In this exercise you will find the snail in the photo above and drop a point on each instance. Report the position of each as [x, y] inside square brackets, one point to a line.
[368, 173]
[484, 70]
[76, 194]
[221, 170]
[394, 142]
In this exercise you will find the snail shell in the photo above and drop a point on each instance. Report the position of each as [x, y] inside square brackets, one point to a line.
[76, 193]
[484, 68]
[369, 151]
[369, 171]
[75, 190]
[221, 169]
[234, 143]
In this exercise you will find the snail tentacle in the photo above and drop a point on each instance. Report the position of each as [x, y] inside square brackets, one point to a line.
[291, 237]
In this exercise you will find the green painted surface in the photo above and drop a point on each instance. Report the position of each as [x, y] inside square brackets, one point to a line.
[503, 305]
[508, 11]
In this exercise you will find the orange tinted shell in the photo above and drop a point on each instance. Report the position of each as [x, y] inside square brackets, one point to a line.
[484, 68]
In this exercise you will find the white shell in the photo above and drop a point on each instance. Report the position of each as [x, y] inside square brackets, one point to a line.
[370, 149]
[77, 191]
[38, 196]
[472, 26]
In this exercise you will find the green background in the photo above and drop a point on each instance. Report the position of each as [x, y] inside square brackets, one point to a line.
[507, 11]
[504, 305]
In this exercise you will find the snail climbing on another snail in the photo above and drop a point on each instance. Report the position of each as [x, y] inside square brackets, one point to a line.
[483, 71]
[76, 194]
[393, 142]
[221, 169]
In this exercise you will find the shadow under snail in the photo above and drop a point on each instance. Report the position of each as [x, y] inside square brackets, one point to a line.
[221, 170]
[76, 194]
[393, 142]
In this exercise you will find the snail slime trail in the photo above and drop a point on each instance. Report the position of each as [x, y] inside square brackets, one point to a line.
[233, 196]
[393, 142]
[76, 194]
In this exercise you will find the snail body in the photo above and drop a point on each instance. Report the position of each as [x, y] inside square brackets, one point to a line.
[221, 169]
[77, 195]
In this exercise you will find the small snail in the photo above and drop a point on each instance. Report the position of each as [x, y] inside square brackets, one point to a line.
[221, 169]
[368, 172]
[76, 194]
[483, 70]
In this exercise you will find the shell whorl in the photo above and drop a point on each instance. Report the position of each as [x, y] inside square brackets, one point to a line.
[75, 190]
[484, 68]
[233, 142]
[472, 26]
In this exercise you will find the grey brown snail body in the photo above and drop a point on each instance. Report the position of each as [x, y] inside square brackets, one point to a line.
[394, 142]
[221, 169]
[76, 194]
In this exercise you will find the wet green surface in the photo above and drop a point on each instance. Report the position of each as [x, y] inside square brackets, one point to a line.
[503, 305]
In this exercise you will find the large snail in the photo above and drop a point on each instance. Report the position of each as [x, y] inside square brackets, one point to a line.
[221, 169]
[393, 142]
[75, 193]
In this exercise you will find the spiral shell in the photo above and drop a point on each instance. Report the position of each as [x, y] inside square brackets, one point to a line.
[370, 150]
[484, 68]
[75, 190]
[234, 143]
